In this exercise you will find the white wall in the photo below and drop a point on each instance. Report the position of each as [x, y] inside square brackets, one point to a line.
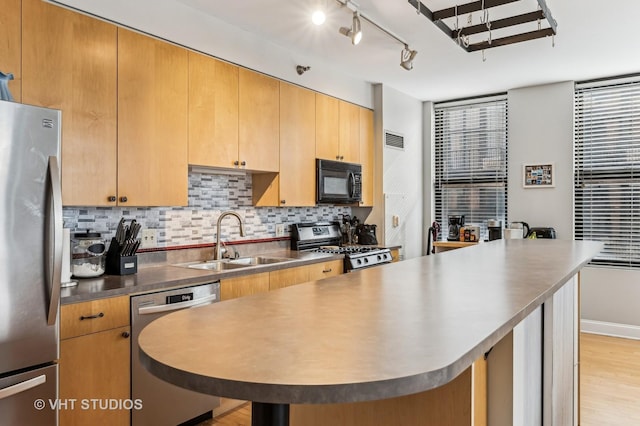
[541, 130]
[193, 29]
[402, 172]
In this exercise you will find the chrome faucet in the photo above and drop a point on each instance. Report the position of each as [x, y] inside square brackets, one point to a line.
[218, 252]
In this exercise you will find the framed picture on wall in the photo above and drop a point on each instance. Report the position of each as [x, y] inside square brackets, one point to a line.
[538, 175]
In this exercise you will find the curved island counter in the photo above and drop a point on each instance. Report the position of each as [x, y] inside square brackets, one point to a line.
[400, 340]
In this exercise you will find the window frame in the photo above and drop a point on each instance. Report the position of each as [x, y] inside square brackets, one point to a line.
[478, 183]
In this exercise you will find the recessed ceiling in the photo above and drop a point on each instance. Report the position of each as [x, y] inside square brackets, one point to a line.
[595, 39]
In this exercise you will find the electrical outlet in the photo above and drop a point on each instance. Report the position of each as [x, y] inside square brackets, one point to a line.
[149, 239]
[281, 230]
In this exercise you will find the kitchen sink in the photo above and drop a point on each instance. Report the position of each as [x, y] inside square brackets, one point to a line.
[226, 264]
[212, 265]
[258, 260]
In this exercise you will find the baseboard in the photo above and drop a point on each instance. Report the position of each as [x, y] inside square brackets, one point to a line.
[610, 329]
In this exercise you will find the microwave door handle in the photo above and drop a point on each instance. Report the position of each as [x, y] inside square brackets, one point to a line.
[352, 184]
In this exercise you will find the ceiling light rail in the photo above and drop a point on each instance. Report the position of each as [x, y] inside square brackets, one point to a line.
[486, 26]
[355, 33]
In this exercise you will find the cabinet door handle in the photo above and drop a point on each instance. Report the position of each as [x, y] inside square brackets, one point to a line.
[337, 157]
[244, 163]
[283, 201]
[112, 198]
[342, 157]
[324, 271]
[236, 163]
[125, 334]
[123, 199]
[100, 315]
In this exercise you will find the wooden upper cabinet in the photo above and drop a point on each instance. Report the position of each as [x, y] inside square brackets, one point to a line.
[259, 125]
[337, 129]
[327, 131]
[11, 44]
[213, 112]
[349, 132]
[367, 156]
[69, 63]
[297, 146]
[152, 121]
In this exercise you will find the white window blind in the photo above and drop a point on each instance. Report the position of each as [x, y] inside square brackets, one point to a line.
[471, 162]
[607, 170]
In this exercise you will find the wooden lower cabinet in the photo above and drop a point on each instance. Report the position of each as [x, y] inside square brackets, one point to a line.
[94, 371]
[231, 288]
[301, 274]
[94, 368]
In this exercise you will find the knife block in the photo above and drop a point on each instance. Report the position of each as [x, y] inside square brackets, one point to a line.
[117, 264]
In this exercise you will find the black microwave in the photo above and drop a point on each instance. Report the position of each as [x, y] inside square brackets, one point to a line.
[338, 182]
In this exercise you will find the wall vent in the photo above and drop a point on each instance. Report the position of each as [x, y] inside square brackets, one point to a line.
[393, 140]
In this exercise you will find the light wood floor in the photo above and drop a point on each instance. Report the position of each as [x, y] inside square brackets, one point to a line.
[609, 382]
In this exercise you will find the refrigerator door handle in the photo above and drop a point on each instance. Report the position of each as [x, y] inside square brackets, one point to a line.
[56, 276]
[22, 386]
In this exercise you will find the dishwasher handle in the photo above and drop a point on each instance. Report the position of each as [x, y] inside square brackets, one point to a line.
[146, 310]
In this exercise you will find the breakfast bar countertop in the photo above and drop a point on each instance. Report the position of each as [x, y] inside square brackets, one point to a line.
[383, 332]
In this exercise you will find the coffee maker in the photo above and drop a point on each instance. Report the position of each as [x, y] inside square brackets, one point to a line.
[455, 223]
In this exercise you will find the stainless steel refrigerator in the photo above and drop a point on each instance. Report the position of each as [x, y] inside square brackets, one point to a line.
[30, 262]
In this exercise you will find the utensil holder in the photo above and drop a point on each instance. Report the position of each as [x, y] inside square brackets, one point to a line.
[120, 265]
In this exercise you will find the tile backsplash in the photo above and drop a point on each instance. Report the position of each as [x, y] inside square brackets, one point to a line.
[209, 195]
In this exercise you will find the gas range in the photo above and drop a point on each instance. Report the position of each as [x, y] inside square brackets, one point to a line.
[325, 237]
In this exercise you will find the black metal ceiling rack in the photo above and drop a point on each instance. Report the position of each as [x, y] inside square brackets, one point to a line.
[463, 33]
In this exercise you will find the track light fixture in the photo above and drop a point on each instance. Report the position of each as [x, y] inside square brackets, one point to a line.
[355, 32]
[406, 58]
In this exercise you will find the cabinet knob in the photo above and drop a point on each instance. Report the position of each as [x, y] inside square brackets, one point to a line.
[236, 163]
[244, 163]
[337, 157]
[283, 201]
[125, 334]
[342, 157]
[112, 198]
[123, 199]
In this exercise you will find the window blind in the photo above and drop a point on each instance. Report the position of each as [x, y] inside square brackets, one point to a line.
[471, 162]
[607, 170]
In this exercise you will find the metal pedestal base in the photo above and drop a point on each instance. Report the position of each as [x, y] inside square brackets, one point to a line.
[263, 414]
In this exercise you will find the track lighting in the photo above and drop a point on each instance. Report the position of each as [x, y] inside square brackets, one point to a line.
[355, 32]
[318, 17]
[406, 58]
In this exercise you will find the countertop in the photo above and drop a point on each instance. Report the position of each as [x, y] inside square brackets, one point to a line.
[393, 330]
[163, 277]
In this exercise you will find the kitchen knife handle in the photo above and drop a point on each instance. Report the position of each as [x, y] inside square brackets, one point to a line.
[56, 256]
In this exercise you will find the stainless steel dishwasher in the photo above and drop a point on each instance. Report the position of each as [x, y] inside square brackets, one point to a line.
[164, 403]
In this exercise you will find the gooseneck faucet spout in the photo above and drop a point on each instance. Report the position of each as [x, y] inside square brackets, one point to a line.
[218, 252]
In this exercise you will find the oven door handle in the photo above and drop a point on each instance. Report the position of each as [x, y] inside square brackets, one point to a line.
[146, 310]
